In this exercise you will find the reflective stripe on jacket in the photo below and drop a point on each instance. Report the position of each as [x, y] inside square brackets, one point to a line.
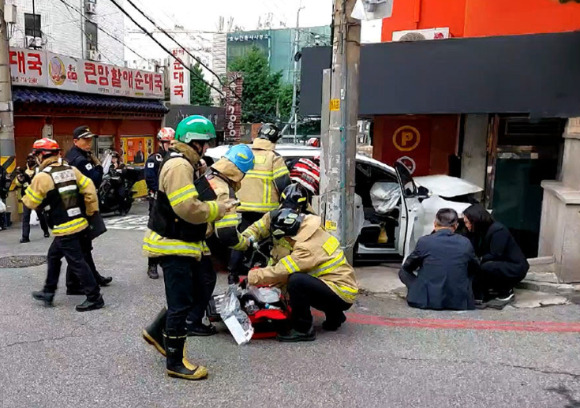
[154, 245]
[176, 181]
[43, 183]
[317, 253]
[262, 186]
[226, 229]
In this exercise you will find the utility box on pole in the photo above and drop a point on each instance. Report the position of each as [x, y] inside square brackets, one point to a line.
[338, 158]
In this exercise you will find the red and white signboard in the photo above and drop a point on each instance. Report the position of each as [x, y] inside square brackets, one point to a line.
[179, 78]
[46, 69]
[233, 91]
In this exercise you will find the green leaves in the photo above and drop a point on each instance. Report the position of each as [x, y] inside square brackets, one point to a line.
[200, 91]
[263, 91]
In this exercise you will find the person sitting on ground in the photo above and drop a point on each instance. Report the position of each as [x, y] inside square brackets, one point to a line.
[316, 272]
[503, 264]
[445, 263]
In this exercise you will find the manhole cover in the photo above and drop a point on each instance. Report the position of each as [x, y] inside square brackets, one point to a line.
[22, 261]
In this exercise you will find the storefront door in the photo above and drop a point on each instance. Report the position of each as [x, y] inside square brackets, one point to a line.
[526, 153]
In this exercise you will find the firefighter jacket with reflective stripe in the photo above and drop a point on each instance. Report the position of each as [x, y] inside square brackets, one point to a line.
[65, 194]
[317, 253]
[179, 209]
[262, 186]
[260, 230]
[224, 178]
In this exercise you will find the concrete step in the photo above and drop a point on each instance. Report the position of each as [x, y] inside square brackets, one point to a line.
[555, 288]
[542, 265]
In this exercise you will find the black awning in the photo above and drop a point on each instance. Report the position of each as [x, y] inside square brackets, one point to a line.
[57, 98]
[536, 74]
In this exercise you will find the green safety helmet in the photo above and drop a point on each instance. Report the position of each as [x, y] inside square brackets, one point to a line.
[195, 128]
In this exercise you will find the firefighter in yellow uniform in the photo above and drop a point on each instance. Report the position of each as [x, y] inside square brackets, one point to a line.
[224, 179]
[68, 198]
[261, 189]
[316, 273]
[295, 197]
[176, 235]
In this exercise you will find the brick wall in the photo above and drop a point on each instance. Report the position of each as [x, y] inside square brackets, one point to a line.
[61, 28]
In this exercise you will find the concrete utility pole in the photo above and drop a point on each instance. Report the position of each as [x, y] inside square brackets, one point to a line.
[339, 144]
[7, 147]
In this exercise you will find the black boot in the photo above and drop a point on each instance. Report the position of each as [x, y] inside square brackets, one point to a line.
[45, 297]
[295, 336]
[333, 322]
[201, 330]
[104, 280]
[153, 334]
[152, 272]
[89, 305]
[177, 364]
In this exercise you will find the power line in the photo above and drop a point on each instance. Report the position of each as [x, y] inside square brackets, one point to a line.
[175, 41]
[102, 29]
[165, 48]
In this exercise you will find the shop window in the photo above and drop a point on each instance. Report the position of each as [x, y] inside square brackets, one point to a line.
[91, 32]
[103, 144]
[136, 149]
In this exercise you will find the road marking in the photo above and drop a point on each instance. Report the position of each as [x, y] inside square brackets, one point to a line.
[128, 222]
[457, 324]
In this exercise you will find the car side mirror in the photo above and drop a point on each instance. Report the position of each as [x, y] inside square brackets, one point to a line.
[423, 193]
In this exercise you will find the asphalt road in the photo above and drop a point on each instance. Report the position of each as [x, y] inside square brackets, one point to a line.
[387, 355]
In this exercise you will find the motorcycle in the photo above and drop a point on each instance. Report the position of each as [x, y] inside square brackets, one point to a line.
[115, 193]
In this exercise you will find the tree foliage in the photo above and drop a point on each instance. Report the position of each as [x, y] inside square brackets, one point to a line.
[263, 91]
[200, 92]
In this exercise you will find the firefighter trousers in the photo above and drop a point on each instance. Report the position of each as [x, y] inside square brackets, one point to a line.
[69, 247]
[189, 284]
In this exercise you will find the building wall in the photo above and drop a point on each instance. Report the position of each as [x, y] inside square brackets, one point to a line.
[500, 17]
[395, 137]
[474, 155]
[482, 18]
[61, 28]
[419, 14]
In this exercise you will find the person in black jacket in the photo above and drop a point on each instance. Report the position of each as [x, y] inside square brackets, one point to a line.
[445, 263]
[503, 264]
[81, 156]
[152, 166]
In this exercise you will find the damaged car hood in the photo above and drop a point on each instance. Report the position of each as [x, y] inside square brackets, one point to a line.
[447, 186]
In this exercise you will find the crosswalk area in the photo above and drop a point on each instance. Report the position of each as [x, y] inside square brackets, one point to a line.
[128, 222]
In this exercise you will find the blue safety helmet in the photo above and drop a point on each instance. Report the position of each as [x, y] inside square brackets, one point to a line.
[242, 156]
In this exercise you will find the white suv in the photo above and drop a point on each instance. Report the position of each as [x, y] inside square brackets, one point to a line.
[394, 204]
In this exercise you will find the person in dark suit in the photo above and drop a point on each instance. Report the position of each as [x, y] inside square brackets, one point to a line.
[503, 264]
[445, 263]
[139, 156]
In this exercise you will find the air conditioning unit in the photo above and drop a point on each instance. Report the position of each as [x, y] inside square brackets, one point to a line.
[10, 13]
[418, 35]
[90, 8]
[33, 42]
[94, 55]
